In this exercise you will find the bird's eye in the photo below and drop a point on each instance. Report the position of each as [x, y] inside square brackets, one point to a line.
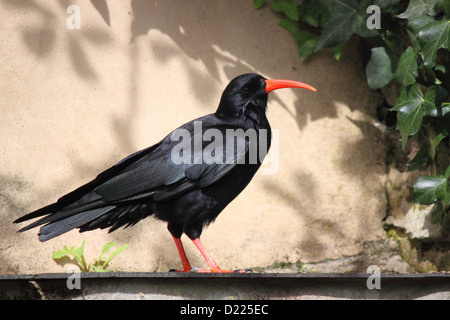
[245, 90]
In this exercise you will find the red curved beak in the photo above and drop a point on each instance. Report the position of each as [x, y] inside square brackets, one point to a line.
[274, 84]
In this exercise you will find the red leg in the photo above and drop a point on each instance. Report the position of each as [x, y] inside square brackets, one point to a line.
[184, 260]
[214, 267]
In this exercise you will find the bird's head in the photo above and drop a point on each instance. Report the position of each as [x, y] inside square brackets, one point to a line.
[246, 95]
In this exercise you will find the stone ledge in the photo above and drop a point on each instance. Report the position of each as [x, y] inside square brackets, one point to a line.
[170, 286]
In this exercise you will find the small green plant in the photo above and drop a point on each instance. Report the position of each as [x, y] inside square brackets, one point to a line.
[410, 46]
[100, 263]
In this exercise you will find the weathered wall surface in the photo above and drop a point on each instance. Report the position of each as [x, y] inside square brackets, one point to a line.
[74, 102]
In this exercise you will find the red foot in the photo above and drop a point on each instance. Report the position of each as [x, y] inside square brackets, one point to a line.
[217, 270]
[201, 270]
[187, 267]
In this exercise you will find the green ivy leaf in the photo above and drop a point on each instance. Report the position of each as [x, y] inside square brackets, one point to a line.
[415, 25]
[394, 43]
[445, 110]
[348, 17]
[439, 137]
[337, 51]
[307, 45]
[447, 172]
[258, 3]
[413, 29]
[446, 7]
[434, 36]
[433, 99]
[417, 8]
[410, 113]
[440, 68]
[407, 70]
[306, 41]
[288, 7]
[412, 106]
[314, 13]
[378, 70]
[429, 189]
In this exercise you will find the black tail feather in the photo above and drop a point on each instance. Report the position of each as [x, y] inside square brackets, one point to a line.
[40, 212]
[84, 193]
[127, 215]
[62, 214]
[54, 229]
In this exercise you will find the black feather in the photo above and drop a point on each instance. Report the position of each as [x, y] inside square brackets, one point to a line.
[186, 195]
[57, 228]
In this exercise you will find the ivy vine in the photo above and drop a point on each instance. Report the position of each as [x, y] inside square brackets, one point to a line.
[409, 43]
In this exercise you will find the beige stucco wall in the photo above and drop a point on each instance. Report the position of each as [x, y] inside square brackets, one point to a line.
[74, 102]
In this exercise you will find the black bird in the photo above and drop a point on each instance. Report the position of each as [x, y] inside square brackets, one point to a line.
[176, 180]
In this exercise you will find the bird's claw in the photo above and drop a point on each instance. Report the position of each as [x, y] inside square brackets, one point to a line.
[194, 270]
[200, 270]
[244, 271]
